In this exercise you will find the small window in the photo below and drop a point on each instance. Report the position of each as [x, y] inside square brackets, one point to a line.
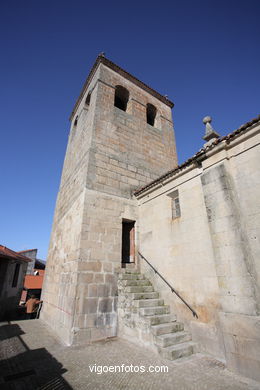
[87, 101]
[16, 275]
[175, 203]
[121, 97]
[176, 210]
[150, 114]
[75, 122]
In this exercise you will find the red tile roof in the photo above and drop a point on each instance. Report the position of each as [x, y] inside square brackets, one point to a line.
[6, 253]
[27, 250]
[33, 282]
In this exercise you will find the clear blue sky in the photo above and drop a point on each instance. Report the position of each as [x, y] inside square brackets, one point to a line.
[205, 55]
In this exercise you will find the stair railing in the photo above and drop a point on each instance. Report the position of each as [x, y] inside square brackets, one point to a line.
[168, 284]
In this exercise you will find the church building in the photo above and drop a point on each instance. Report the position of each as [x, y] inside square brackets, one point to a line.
[162, 254]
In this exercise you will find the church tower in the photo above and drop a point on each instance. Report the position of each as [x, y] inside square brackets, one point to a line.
[121, 138]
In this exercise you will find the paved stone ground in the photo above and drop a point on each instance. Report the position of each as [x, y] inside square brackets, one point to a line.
[32, 358]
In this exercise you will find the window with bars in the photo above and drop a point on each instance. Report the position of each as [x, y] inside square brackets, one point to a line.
[175, 204]
[176, 210]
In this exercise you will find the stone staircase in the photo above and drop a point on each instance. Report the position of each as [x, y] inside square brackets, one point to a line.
[146, 320]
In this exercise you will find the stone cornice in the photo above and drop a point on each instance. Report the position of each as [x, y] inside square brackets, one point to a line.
[102, 60]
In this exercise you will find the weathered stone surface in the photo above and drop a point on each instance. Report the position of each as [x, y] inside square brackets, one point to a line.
[103, 290]
[105, 305]
[210, 253]
[226, 232]
[92, 290]
[85, 278]
[94, 266]
[148, 322]
[177, 351]
[110, 152]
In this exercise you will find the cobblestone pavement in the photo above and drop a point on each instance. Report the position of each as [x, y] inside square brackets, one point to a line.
[32, 358]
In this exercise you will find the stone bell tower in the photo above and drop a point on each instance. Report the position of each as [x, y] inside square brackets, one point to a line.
[121, 138]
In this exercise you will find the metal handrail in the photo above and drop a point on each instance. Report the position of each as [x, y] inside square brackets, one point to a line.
[168, 284]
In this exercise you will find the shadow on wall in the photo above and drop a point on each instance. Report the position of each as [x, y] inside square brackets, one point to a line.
[22, 368]
[16, 314]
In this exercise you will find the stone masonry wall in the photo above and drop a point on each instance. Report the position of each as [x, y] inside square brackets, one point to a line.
[235, 282]
[95, 315]
[110, 153]
[181, 250]
[210, 253]
[127, 153]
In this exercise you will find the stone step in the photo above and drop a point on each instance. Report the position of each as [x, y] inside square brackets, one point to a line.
[143, 308]
[138, 289]
[165, 328]
[176, 351]
[130, 276]
[148, 302]
[129, 271]
[148, 295]
[150, 311]
[131, 266]
[165, 340]
[159, 319]
[142, 282]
